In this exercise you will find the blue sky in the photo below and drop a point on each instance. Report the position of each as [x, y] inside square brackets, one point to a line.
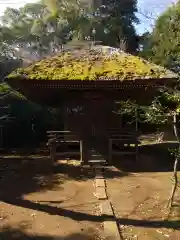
[152, 8]
[149, 7]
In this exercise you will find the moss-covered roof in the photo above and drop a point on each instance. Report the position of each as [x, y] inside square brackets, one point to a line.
[97, 63]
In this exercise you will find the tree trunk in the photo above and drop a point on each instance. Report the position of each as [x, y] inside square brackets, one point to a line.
[175, 177]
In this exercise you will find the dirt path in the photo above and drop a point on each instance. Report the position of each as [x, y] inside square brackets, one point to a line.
[41, 203]
[139, 204]
[37, 205]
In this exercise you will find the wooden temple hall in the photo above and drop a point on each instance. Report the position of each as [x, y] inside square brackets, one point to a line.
[86, 84]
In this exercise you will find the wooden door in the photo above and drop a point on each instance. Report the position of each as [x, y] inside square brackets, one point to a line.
[91, 118]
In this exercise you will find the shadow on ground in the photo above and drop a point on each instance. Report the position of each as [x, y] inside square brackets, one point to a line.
[20, 175]
[13, 233]
[150, 224]
[152, 158]
[80, 216]
[19, 233]
[35, 174]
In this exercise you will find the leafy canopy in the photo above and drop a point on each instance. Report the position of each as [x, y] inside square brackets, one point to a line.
[163, 45]
[42, 28]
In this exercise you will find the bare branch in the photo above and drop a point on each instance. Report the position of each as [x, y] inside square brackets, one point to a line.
[147, 15]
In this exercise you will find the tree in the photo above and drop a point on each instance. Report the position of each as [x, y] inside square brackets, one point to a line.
[77, 13]
[144, 42]
[114, 22]
[163, 46]
[165, 108]
[40, 29]
[36, 30]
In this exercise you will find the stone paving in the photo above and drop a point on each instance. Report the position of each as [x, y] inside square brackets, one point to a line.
[111, 230]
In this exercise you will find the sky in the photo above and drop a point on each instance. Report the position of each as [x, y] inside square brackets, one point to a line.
[152, 8]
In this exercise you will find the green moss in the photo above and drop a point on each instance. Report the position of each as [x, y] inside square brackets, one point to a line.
[91, 65]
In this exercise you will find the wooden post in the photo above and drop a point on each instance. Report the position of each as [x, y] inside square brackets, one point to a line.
[136, 114]
[110, 151]
[1, 140]
[65, 119]
[137, 152]
[82, 152]
[137, 146]
[53, 153]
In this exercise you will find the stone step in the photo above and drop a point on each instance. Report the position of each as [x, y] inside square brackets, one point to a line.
[96, 155]
[101, 193]
[106, 209]
[111, 230]
[100, 182]
[110, 225]
[95, 162]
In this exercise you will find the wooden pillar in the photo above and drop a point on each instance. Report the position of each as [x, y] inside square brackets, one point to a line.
[136, 114]
[53, 153]
[65, 118]
[82, 152]
[110, 151]
[137, 145]
[137, 152]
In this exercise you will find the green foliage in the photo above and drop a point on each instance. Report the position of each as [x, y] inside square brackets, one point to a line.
[37, 31]
[24, 118]
[114, 22]
[92, 64]
[40, 29]
[162, 46]
[175, 152]
[162, 108]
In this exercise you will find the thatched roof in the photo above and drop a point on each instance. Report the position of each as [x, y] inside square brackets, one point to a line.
[97, 63]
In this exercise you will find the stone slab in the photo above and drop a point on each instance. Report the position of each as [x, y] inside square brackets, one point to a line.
[101, 193]
[98, 173]
[106, 209]
[111, 230]
[96, 162]
[100, 182]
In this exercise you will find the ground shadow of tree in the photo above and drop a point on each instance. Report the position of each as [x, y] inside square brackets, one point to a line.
[19, 176]
[23, 175]
[152, 158]
[13, 233]
[168, 224]
[80, 216]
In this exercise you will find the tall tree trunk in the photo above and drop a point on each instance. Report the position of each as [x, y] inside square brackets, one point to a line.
[175, 177]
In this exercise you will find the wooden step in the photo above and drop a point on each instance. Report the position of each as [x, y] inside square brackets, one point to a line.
[97, 161]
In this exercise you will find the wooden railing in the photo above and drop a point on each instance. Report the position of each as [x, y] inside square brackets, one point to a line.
[123, 142]
[120, 143]
[56, 138]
